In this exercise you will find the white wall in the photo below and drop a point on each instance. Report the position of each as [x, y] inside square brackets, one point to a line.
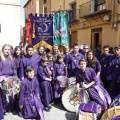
[10, 22]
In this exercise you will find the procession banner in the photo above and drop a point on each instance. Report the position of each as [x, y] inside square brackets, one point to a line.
[60, 28]
[28, 30]
[42, 30]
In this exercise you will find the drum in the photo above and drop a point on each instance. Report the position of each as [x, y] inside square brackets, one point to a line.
[71, 99]
[116, 102]
[87, 116]
[72, 81]
[11, 86]
[63, 80]
[110, 113]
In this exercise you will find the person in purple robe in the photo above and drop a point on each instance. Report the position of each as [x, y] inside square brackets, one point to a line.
[86, 78]
[50, 61]
[7, 68]
[59, 70]
[30, 59]
[92, 62]
[111, 51]
[55, 52]
[30, 101]
[98, 51]
[41, 51]
[18, 55]
[12, 50]
[113, 73]
[73, 60]
[45, 80]
[66, 53]
[85, 50]
[21, 44]
[104, 61]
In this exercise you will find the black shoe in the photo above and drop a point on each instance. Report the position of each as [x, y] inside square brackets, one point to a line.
[47, 109]
[49, 106]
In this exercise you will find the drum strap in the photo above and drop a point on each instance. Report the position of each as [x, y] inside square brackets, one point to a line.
[84, 78]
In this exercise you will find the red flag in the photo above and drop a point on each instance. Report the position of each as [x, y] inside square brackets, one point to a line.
[28, 30]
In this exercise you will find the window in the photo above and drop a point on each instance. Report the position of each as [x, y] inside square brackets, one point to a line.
[99, 5]
[45, 9]
[45, 1]
[73, 7]
[99, 2]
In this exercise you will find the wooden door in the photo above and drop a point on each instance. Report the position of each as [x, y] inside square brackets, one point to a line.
[93, 39]
[73, 38]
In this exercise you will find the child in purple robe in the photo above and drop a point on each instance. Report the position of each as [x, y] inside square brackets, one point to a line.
[86, 79]
[7, 68]
[45, 79]
[66, 54]
[92, 62]
[18, 55]
[30, 102]
[50, 62]
[41, 51]
[59, 70]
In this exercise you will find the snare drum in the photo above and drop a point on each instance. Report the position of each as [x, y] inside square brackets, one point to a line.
[110, 113]
[71, 99]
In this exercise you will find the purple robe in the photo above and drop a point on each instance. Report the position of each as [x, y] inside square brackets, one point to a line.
[73, 63]
[117, 117]
[29, 61]
[59, 70]
[104, 61]
[17, 63]
[113, 76]
[96, 91]
[50, 65]
[66, 57]
[46, 86]
[30, 99]
[7, 68]
[97, 68]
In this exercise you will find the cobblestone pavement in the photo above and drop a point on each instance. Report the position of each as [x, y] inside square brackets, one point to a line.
[57, 113]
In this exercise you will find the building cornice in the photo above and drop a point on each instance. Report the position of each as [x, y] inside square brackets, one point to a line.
[27, 3]
[10, 4]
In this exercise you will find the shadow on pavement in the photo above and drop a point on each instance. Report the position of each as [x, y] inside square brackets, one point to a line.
[70, 116]
[59, 106]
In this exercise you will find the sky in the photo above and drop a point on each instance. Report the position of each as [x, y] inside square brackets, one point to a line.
[22, 2]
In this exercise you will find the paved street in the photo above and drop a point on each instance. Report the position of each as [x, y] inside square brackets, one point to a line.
[57, 113]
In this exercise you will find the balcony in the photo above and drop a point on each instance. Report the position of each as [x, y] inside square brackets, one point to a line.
[91, 9]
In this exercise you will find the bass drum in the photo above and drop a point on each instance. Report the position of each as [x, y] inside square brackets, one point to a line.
[71, 99]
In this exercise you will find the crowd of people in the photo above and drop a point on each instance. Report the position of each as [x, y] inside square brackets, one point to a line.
[96, 71]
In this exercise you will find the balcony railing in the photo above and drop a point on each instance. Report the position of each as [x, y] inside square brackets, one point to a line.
[88, 9]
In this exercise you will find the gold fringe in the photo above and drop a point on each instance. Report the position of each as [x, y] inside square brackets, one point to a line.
[43, 43]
